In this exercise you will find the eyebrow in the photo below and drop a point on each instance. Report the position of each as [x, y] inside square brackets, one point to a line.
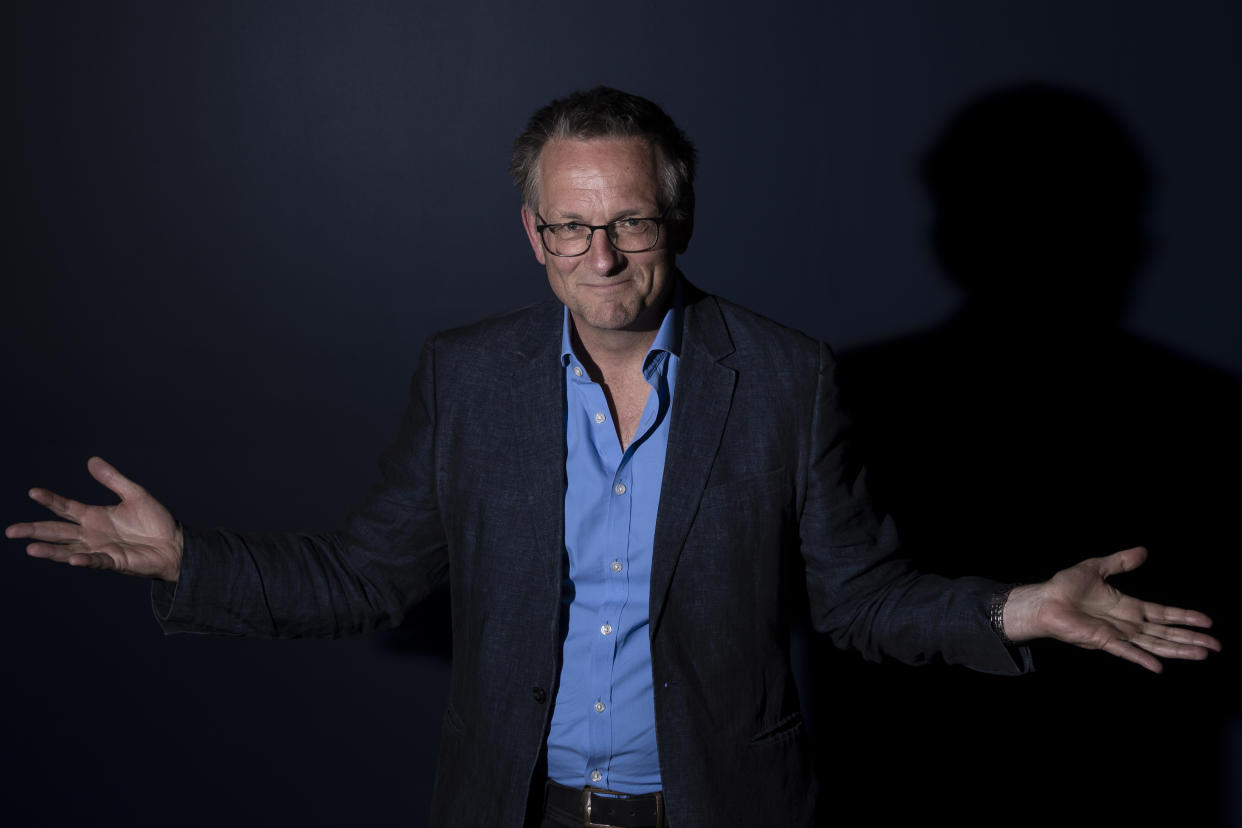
[630, 212]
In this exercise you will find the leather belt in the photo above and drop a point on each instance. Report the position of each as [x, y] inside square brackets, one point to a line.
[598, 808]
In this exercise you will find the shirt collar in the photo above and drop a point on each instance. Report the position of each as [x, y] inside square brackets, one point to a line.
[667, 339]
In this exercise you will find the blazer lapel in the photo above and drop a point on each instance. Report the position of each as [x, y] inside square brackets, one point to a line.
[700, 409]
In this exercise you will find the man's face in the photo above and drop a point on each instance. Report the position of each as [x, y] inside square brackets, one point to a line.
[599, 181]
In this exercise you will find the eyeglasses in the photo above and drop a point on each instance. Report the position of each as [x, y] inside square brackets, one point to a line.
[628, 235]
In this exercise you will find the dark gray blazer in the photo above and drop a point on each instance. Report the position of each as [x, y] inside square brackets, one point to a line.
[761, 499]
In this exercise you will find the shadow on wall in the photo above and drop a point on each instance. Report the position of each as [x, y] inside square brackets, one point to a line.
[1027, 433]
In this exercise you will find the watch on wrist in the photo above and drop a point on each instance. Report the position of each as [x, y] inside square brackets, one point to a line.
[996, 615]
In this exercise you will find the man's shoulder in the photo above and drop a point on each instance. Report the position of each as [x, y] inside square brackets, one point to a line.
[755, 324]
[523, 331]
[751, 335]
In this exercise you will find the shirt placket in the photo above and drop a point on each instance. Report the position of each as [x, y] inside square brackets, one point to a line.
[613, 560]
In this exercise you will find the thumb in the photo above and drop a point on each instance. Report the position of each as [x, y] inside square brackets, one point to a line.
[107, 474]
[1124, 561]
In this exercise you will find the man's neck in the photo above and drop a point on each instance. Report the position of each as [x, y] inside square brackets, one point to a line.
[611, 353]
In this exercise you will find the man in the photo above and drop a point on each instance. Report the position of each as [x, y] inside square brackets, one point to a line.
[625, 489]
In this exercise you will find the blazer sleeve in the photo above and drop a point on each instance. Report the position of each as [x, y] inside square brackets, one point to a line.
[390, 554]
[862, 592]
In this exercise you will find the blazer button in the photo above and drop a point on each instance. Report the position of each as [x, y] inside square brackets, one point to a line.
[539, 694]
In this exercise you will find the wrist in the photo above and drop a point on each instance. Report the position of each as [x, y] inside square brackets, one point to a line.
[178, 546]
[1018, 616]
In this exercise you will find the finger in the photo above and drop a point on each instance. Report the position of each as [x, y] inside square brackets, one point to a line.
[1175, 615]
[1123, 561]
[46, 530]
[1182, 636]
[53, 551]
[77, 554]
[62, 507]
[1165, 648]
[94, 560]
[106, 473]
[1126, 650]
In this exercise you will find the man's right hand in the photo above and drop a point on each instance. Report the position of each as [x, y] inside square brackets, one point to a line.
[137, 536]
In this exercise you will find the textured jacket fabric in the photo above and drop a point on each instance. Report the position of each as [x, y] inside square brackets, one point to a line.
[761, 500]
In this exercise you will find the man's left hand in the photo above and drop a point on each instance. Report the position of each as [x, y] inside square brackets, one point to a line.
[1078, 606]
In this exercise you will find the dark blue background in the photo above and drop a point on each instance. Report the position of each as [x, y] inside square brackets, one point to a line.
[233, 224]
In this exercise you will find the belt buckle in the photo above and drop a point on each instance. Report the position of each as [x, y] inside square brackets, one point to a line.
[586, 810]
[587, 794]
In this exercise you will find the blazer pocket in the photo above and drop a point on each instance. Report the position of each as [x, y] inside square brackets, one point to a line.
[785, 729]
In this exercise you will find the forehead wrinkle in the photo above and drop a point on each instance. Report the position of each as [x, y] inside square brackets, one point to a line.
[590, 185]
[608, 203]
[607, 218]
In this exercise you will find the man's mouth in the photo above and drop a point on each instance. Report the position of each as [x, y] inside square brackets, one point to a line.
[611, 283]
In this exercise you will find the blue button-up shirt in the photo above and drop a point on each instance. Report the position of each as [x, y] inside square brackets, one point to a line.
[603, 722]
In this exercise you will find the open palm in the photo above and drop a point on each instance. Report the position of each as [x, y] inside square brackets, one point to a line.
[137, 536]
[1079, 606]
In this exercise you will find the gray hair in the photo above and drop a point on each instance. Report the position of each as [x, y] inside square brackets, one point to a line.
[603, 112]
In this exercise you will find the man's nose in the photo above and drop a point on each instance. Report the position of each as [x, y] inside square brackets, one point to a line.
[603, 257]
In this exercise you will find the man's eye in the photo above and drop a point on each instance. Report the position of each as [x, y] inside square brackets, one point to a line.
[570, 227]
[630, 225]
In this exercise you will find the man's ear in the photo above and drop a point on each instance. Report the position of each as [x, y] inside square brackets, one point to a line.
[532, 235]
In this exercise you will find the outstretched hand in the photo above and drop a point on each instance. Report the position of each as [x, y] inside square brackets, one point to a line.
[137, 536]
[1079, 606]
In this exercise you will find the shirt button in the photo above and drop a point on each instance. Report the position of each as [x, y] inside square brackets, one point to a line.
[599, 416]
[616, 566]
[596, 776]
[577, 371]
[599, 707]
[619, 488]
[606, 629]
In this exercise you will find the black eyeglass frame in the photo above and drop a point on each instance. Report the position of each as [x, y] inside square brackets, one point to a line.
[659, 222]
